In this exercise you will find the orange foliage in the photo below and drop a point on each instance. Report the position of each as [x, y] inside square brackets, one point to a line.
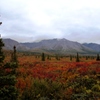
[55, 70]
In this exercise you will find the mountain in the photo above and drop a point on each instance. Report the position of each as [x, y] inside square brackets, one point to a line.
[94, 46]
[55, 46]
[9, 44]
[62, 46]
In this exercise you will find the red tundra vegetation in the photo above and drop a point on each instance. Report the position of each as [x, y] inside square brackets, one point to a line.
[62, 79]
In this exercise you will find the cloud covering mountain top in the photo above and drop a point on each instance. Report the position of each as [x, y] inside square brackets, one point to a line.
[32, 20]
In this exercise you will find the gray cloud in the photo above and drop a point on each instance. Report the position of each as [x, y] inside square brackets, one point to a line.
[41, 19]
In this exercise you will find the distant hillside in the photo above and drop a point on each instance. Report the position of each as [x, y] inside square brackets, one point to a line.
[62, 46]
[94, 46]
[55, 46]
[9, 44]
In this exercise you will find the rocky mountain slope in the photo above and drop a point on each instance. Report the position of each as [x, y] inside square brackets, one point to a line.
[94, 46]
[62, 46]
[58, 45]
[9, 44]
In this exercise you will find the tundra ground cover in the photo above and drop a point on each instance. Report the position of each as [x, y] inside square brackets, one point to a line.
[62, 79]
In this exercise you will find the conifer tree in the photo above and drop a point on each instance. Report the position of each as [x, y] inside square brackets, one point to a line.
[8, 90]
[77, 58]
[98, 58]
[48, 57]
[1, 52]
[57, 57]
[70, 57]
[43, 57]
[86, 57]
[14, 56]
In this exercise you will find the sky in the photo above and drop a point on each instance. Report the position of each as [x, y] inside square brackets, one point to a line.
[35, 20]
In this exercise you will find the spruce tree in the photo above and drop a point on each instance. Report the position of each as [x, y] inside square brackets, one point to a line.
[8, 90]
[43, 57]
[1, 52]
[77, 58]
[70, 57]
[14, 56]
[48, 57]
[98, 58]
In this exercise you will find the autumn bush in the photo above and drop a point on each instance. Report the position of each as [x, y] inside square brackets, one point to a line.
[62, 79]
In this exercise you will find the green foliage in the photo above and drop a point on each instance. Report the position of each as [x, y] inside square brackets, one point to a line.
[1, 53]
[85, 88]
[12, 65]
[8, 90]
[43, 90]
[8, 93]
[7, 80]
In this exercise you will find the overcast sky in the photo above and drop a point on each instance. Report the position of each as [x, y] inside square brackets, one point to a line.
[33, 20]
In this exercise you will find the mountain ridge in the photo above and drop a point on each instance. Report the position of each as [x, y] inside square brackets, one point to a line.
[9, 43]
[93, 46]
[62, 46]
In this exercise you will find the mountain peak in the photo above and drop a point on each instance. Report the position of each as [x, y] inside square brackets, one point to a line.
[61, 46]
[58, 45]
